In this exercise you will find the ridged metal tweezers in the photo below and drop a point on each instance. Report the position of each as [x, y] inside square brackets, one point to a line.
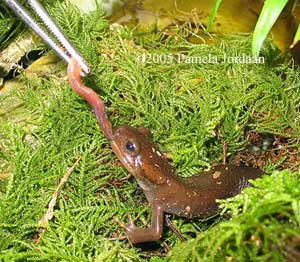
[68, 50]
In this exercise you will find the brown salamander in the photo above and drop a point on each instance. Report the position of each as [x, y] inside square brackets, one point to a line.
[166, 192]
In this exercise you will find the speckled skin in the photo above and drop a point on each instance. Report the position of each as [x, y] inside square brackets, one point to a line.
[166, 192]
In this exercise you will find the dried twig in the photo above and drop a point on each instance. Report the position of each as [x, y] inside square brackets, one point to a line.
[173, 228]
[50, 211]
[5, 176]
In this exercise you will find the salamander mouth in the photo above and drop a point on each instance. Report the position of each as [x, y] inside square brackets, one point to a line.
[125, 162]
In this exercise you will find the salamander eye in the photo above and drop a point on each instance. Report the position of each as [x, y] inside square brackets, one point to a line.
[131, 146]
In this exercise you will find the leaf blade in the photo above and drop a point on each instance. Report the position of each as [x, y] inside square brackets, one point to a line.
[296, 38]
[269, 14]
[213, 15]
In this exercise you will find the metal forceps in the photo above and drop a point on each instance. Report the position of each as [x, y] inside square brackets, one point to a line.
[68, 50]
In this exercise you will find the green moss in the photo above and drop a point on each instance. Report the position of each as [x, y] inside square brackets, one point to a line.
[9, 26]
[182, 104]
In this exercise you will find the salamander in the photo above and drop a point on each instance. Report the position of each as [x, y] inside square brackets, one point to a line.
[166, 192]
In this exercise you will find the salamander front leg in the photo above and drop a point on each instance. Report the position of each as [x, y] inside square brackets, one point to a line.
[140, 235]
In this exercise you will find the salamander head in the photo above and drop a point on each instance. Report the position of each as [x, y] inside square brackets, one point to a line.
[139, 155]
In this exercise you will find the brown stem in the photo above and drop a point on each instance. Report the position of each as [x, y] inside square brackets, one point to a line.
[174, 229]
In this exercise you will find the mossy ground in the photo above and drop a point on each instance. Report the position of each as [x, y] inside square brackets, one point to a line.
[183, 105]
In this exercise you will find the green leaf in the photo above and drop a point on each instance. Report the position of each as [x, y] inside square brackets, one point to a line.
[269, 14]
[213, 15]
[296, 38]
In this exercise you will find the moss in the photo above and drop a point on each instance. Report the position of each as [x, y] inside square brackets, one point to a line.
[182, 104]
